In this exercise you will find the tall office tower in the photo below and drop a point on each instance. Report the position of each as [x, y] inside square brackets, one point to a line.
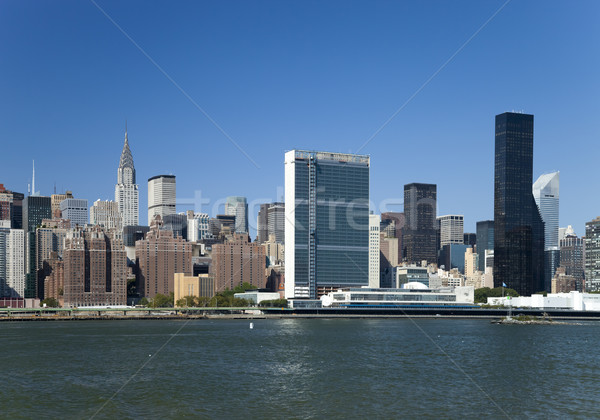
[35, 209]
[238, 261]
[388, 258]
[572, 259]
[470, 239]
[132, 234]
[159, 257]
[374, 250]
[198, 226]
[12, 271]
[262, 223]
[55, 200]
[95, 268]
[420, 232]
[545, 192]
[6, 206]
[592, 255]
[485, 240]
[326, 222]
[17, 210]
[75, 210]
[222, 225]
[451, 229]
[126, 190]
[518, 225]
[161, 196]
[276, 221]
[238, 207]
[106, 214]
[176, 223]
[399, 224]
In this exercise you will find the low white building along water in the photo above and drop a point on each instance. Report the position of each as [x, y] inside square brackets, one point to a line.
[573, 300]
[412, 295]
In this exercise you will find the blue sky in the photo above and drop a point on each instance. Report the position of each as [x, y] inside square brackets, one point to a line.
[278, 75]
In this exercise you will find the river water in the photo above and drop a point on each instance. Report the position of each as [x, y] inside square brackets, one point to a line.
[299, 368]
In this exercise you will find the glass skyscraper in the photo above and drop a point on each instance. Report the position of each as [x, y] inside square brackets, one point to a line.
[326, 222]
[546, 194]
[518, 225]
[420, 231]
[485, 240]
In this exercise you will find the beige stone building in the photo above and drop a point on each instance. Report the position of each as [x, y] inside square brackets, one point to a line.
[198, 286]
[55, 200]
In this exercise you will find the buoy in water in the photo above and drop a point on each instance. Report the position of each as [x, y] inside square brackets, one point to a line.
[251, 325]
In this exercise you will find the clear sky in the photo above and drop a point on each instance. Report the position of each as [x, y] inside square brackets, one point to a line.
[278, 75]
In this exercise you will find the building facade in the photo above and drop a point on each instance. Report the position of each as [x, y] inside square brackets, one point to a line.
[326, 222]
[485, 240]
[572, 259]
[106, 214]
[546, 194]
[12, 258]
[161, 196]
[420, 232]
[75, 210]
[126, 190]
[451, 229]
[518, 225]
[159, 256]
[374, 250]
[55, 200]
[35, 210]
[238, 261]
[238, 207]
[95, 268]
[592, 255]
[198, 226]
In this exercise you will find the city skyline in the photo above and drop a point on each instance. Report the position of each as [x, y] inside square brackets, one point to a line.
[330, 88]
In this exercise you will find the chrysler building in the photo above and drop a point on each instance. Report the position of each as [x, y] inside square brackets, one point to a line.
[126, 190]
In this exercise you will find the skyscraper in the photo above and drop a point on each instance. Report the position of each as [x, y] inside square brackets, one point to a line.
[518, 226]
[35, 209]
[485, 240]
[326, 222]
[106, 214]
[161, 196]
[420, 232]
[592, 255]
[262, 223]
[126, 190]
[276, 221]
[451, 229]
[238, 207]
[12, 273]
[545, 192]
[374, 250]
[76, 210]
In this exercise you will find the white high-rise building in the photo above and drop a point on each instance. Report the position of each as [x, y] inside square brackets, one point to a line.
[198, 226]
[546, 194]
[451, 229]
[238, 207]
[374, 249]
[106, 213]
[161, 196]
[76, 210]
[126, 190]
[12, 263]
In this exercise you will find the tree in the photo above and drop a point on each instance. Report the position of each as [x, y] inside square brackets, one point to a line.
[275, 303]
[131, 289]
[50, 302]
[187, 301]
[483, 293]
[162, 301]
[144, 301]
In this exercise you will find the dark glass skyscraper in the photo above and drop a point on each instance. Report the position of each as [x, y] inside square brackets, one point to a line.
[420, 231]
[35, 209]
[485, 240]
[518, 226]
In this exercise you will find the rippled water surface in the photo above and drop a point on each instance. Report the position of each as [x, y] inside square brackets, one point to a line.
[299, 368]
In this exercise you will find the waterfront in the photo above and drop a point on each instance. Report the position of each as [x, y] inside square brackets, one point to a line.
[298, 368]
